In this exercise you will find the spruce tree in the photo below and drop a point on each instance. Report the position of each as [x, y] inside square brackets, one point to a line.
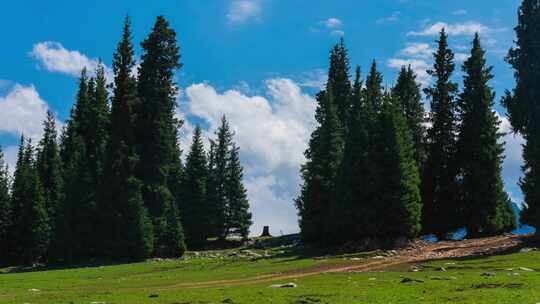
[406, 93]
[77, 238]
[5, 212]
[398, 200]
[374, 90]
[49, 167]
[480, 154]
[195, 204]
[350, 206]
[323, 156]
[156, 130]
[217, 178]
[126, 230]
[29, 214]
[239, 217]
[522, 104]
[439, 179]
[338, 79]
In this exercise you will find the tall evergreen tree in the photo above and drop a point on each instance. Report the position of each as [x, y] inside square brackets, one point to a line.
[323, 156]
[49, 167]
[5, 212]
[195, 204]
[350, 205]
[156, 130]
[374, 90]
[439, 181]
[397, 201]
[406, 93]
[217, 178]
[338, 80]
[480, 154]
[522, 103]
[77, 238]
[239, 217]
[126, 228]
[30, 221]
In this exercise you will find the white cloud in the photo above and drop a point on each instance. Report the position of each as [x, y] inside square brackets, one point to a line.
[460, 12]
[513, 155]
[337, 33]
[332, 23]
[22, 110]
[418, 50]
[55, 58]
[272, 132]
[242, 10]
[419, 66]
[390, 19]
[461, 57]
[313, 79]
[457, 29]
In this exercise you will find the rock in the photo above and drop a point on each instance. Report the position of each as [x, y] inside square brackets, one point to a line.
[33, 290]
[288, 285]
[438, 278]
[227, 301]
[441, 269]
[153, 296]
[526, 269]
[524, 250]
[378, 257]
[409, 280]
[372, 279]
[488, 274]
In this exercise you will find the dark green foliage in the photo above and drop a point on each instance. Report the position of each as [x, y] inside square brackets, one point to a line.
[217, 178]
[126, 229]
[226, 194]
[49, 167]
[406, 93]
[338, 80]
[522, 103]
[30, 228]
[195, 205]
[480, 154]
[374, 90]
[320, 171]
[439, 184]
[353, 182]
[398, 201]
[5, 212]
[238, 217]
[156, 131]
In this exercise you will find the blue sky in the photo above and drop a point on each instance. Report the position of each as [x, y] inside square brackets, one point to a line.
[257, 61]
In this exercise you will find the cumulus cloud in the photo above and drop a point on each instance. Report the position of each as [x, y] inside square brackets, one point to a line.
[513, 156]
[390, 19]
[22, 110]
[332, 23]
[313, 79]
[54, 57]
[419, 66]
[457, 29]
[243, 10]
[418, 50]
[272, 132]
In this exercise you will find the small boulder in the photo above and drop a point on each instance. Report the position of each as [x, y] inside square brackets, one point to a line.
[287, 285]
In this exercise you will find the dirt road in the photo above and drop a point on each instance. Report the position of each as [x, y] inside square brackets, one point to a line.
[419, 251]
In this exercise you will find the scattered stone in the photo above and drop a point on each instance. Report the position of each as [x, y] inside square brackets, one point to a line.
[34, 290]
[227, 301]
[153, 296]
[488, 274]
[288, 285]
[524, 250]
[526, 269]
[409, 280]
[372, 279]
[378, 257]
[441, 269]
[439, 278]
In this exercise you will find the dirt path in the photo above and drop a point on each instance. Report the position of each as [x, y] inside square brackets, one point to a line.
[418, 252]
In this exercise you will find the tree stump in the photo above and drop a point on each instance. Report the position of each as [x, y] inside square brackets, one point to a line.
[266, 231]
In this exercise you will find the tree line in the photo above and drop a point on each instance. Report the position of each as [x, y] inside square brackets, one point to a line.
[379, 169]
[113, 185]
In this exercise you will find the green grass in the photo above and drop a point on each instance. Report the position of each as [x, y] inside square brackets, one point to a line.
[154, 282]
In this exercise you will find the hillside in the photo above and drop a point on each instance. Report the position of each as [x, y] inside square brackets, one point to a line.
[470, 271]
